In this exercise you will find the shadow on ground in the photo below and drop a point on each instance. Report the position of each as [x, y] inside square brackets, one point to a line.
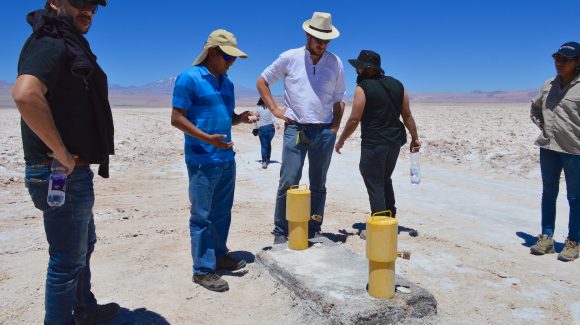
[360, 226]
[139, 316]
[530, 240]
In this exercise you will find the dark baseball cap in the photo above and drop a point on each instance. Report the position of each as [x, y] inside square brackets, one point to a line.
[570, 49]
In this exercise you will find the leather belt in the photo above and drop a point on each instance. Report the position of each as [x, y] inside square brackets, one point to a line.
[78, 162]
[308, 125]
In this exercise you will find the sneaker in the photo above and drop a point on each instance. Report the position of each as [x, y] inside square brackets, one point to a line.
[264, 165]
[570, 252]
[544, 245]
[280, 239]
[227, 262]
[363, 234]
[100, 314]
[211, 281]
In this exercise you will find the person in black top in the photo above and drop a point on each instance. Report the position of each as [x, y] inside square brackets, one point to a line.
[61, 94]
[379, 102]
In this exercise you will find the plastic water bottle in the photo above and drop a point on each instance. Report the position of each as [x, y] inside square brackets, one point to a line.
[415, 169]
[56, 184]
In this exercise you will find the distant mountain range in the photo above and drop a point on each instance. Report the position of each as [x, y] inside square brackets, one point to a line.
[158, 94]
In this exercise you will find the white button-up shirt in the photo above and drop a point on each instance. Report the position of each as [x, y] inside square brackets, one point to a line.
[310, 90]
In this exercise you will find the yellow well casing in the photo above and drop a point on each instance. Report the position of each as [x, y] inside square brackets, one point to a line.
[382, 252]
[298, 215]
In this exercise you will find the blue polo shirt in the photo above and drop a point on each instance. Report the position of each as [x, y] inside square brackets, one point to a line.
[210, 108]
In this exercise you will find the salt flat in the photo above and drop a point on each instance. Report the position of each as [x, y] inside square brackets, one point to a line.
[476, 210]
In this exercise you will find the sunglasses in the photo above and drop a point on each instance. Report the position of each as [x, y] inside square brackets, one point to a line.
[558, 58]
[227, 57]
[84, 4]
[321, 41]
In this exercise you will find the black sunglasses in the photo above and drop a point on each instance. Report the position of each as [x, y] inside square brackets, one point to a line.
[563, 59]
[226, 56]
[321, 41]
[85, 4]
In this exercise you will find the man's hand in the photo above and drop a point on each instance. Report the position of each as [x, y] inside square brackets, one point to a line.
[279, 113]
[249, 117]
[338, 146]
[415, 145]
[216, 141]
[65, 159]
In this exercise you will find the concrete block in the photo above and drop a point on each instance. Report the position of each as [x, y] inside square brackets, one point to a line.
[332, 280]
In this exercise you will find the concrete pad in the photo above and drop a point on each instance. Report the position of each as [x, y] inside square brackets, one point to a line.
[333, 280]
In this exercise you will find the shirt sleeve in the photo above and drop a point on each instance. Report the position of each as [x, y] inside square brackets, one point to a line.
[44, 59]
[183, 92]
[277, 70]
[340, 89]
[537, 104]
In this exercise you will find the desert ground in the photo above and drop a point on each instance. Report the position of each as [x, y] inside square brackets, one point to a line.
[476, 212]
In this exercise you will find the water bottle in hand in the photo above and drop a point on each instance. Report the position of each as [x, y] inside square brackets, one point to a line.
[415, 168]
[56, 184]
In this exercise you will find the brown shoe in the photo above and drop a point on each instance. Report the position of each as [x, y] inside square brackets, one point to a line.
[544, 245]
[227, 262]
[570, 252]
[211, 281]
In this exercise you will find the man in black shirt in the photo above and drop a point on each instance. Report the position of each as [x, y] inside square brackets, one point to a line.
[379, 103]
[61, 93]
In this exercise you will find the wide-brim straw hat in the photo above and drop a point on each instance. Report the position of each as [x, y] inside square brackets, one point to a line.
[225, 40]
[320, 26]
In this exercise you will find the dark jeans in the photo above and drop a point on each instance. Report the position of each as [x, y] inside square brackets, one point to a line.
[266, 134]
[211, 193]
[319, 148]
[70, 232]
[551, 164]
[376, 167]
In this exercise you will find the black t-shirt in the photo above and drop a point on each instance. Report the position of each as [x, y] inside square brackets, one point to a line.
[46, 58]
[380, 122]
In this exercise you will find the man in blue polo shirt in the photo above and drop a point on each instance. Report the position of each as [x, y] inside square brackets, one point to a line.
[203, 108]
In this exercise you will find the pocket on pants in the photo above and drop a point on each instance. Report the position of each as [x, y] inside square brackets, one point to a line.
[36, 181]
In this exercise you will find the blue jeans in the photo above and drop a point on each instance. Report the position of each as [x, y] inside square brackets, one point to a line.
[266, 134]
[70, 232]
[211, 193]
[319, 149]
[551, 164]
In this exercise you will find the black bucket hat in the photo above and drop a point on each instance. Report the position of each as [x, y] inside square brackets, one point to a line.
[570, 50]
[367, 59]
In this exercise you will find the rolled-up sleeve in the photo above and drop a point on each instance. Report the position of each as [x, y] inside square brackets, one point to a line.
[276, 70]
[340, 89]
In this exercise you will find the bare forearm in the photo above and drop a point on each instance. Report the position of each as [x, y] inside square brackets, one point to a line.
[337, 112]
[349, 129]
[264, 91]
[409, 122]
[183, 124]
[36, 113]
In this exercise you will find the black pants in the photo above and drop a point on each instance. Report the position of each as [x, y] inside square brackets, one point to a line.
[376, 167]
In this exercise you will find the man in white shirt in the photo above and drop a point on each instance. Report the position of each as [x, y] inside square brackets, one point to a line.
[314, 89]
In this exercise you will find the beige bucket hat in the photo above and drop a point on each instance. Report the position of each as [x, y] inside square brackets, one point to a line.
[225, 40]
[320, 26]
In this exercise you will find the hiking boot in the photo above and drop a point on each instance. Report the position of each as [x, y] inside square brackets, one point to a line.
[227, 262]
[96, 315]
[544, 245]
[264, 165]
[211, 281]
[280, 239]
[570, 252]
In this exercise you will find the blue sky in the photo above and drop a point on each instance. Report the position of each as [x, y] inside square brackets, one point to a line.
[431, 46]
